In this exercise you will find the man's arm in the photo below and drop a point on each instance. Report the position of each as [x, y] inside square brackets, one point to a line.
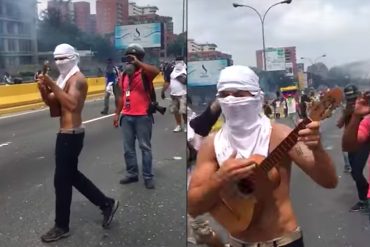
[149, 70]
[314, 161]
[69, 100]
[202, 124]
[166, 85]
[182, 78]
[349, 138]
[204, 185]
[119, 105]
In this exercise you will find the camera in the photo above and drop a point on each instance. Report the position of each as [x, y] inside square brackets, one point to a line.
[155, 107]
[127, 59]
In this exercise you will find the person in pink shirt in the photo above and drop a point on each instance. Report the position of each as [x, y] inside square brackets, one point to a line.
[357, 133]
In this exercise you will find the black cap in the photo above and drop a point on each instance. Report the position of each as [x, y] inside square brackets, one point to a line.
[135, 49]
[351, 92]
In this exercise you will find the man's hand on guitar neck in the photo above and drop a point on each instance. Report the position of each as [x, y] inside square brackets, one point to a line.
[233, 170]
[310, 136]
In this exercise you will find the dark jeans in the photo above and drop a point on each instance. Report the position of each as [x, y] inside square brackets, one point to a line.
[357, 160]
[140, 128]
[107, 96]
[67, 150]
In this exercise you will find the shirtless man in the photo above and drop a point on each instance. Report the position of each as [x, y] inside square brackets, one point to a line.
[222, 159]
[68, 94]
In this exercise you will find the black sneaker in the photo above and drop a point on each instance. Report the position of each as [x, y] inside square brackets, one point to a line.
[104, 112]
[128, 180]
[359, 206]
[109, 212]
[149, 184]
[55, 234]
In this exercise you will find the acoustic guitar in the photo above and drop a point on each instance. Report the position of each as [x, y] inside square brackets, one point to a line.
[54, 105]
[236, 204]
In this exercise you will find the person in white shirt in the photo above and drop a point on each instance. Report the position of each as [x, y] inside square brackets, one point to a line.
[175, 81]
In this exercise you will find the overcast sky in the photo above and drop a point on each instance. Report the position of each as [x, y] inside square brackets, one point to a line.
[337, 28]
[171, 8]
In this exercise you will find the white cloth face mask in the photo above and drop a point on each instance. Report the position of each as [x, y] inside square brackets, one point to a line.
[66, 65]
[241, 111]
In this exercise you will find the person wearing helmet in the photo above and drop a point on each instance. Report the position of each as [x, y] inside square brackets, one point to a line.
[357, 159]
[133, 113]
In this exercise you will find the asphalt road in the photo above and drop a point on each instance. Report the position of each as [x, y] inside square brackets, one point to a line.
[150, 218]
[324, 214]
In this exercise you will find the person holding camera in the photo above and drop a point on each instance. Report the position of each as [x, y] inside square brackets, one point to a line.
[176, 81]
[134, 113]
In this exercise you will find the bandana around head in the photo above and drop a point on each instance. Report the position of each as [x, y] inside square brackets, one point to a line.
[240, 78]
[68, 66]
[246, 130]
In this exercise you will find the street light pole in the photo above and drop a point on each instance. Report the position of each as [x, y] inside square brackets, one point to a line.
[262, 19]
[313, 61]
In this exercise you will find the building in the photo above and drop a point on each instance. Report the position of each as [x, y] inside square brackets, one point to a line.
[18, 40]
[206, 51]
[82, 16]
[196, 47]
[289, 57]
[300, 67]
[65, 8]
[110, 13]
[138, 10]
[93, 23]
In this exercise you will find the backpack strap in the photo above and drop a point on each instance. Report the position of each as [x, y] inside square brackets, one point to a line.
[148, 87]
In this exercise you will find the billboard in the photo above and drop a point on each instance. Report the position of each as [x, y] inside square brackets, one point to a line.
[275, 59]
[289, 69]
[205, 73]
[302, 80]
[148, 35]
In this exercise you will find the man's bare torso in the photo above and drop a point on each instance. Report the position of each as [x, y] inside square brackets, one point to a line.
[273, 215]
[73, 119]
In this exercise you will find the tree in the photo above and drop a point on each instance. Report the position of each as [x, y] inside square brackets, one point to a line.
[53, 30]
[178, 46]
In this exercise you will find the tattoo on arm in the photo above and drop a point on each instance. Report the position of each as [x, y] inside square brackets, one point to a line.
[298, 150]
[80, 85]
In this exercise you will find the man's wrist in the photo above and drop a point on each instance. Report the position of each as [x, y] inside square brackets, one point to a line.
[217, 180]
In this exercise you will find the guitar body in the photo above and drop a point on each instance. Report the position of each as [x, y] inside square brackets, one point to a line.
[55, 109]
[235, 208]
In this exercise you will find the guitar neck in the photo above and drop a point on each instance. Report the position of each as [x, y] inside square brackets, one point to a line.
[282, 149]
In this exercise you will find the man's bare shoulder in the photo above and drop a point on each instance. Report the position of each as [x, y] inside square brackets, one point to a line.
[78, 81]
[280, 131]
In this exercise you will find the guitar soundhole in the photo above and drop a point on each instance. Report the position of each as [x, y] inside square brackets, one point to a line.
[246, 186]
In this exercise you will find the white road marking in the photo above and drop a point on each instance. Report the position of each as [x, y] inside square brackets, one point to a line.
[23, 113]
[5, 144]
[96, 119]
